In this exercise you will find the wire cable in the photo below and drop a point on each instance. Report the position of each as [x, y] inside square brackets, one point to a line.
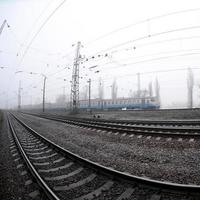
[148, 36]
[140, 22]
[36, 34]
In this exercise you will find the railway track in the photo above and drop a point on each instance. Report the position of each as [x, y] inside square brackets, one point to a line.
[64, 175]
[152, 128]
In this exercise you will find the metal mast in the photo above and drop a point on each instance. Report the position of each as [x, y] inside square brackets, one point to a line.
[89, 97]
[75, 81]
[190, 85]
[19, 96]
[43, 93]
[138, 85]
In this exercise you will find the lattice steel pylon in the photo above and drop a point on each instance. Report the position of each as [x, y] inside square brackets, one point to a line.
[74, 98]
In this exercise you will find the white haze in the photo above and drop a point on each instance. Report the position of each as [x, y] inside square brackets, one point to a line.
[52, 51]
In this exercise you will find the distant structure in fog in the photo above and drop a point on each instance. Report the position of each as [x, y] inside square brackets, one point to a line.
[157, 91]
[150, 89]
[190, 86]
[60, 100]
[114, 90]
[101, 89]
[84, 93]
[138, 84]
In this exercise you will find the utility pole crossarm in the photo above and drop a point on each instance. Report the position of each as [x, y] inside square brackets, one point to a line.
[2, 26]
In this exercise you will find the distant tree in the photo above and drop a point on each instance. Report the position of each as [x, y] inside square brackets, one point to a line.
[150, 89]
[130, 94]
[157, 91]
[114, 90]
[101, 89]
[84, 93]
[190, 86]
[144, 93]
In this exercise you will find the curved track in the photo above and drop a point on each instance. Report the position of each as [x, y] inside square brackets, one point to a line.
[64, 175]
[154, 128]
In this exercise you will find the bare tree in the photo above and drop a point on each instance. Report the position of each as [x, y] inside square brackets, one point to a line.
[190, 86]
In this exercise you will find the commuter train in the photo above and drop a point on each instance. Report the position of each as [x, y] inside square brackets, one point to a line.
[121, 103]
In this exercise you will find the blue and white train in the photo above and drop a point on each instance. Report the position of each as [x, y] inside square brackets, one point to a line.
[121, 103]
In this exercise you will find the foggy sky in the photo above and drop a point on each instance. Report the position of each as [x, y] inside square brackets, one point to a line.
[52, 51]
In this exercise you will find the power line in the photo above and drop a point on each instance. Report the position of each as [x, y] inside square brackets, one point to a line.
[164, 52]
[35, 22]
[153, 59]
[140, 22]
[153, 43]
[146, 60]
[150, 72]
[36, 34]
[147, 36]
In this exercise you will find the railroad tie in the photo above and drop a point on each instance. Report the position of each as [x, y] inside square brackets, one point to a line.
[126, 194]
[43, 157]
[34, 194]
[75, 185]
[56, 178]
[96, 192]
[155, 197]
[56, 168]
[48, 163]
[28, 182]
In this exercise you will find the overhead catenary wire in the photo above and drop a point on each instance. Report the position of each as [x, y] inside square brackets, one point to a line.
[35, 22]
[140, 22]
[149, 72]
[39, 30]
[148, 44]
[122, 64]
[146, 60]
[145, 37]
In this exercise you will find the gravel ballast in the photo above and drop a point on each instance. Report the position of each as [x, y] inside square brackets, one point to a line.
[12, 184]
[173, 160]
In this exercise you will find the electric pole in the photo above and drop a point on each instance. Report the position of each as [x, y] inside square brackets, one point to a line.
[114, 90]
[75, 81]
[157, 92]
[89, 96]
[19, 96]
[150, 89]
[43, 92]
[138, 79]
[190, 85]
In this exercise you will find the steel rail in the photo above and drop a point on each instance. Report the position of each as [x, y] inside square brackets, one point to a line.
[114, 173]
[182, 122]
[49, 193]
[154, 122]
[168, 131]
